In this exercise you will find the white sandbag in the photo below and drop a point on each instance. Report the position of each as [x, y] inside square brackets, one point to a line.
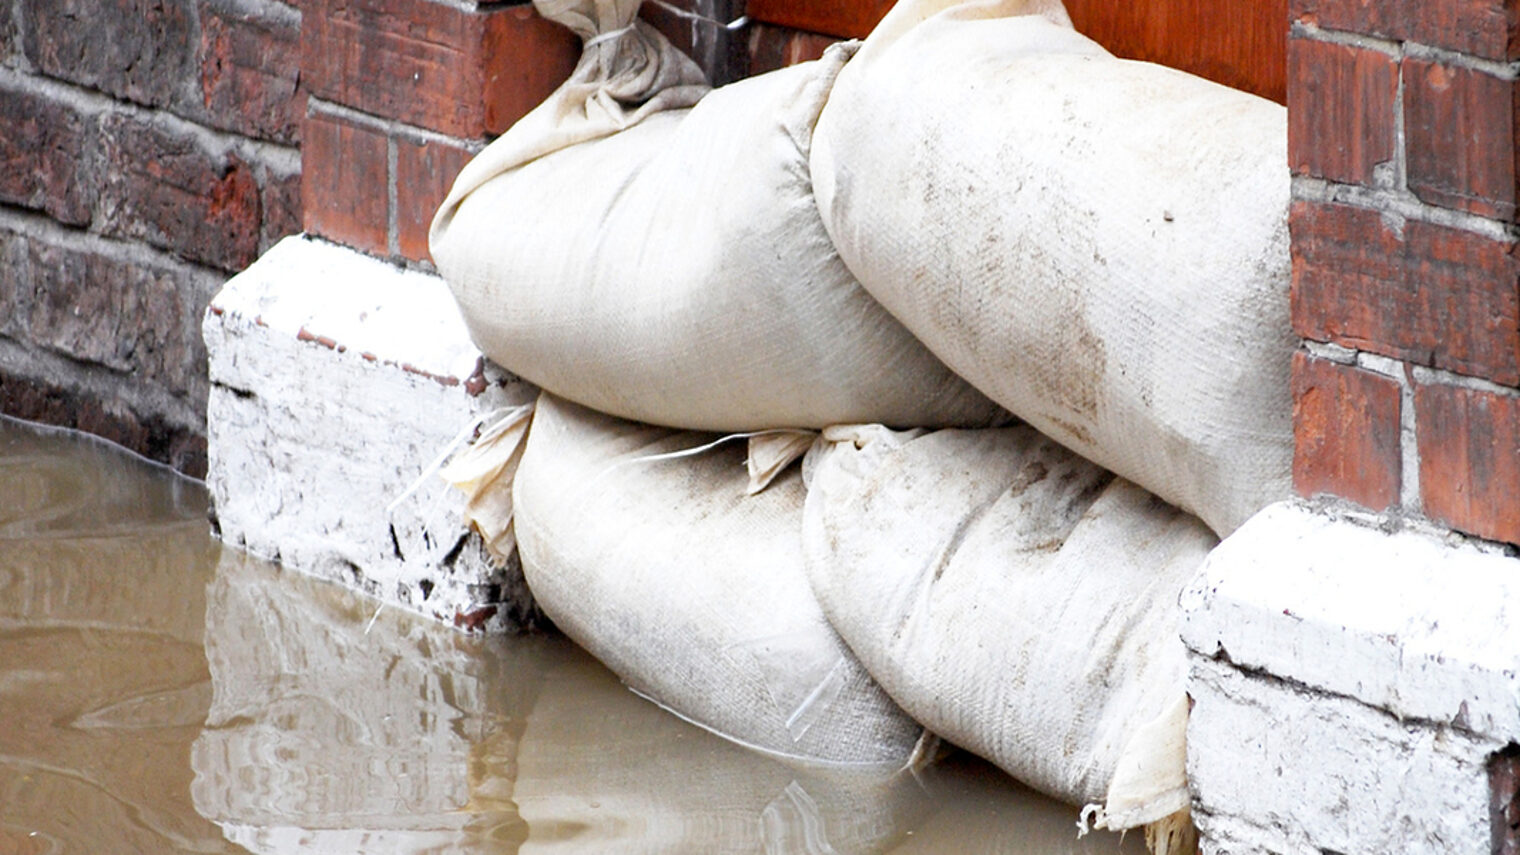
[678, 273]
[655, 559]
[1017, 600]
[1099, 245]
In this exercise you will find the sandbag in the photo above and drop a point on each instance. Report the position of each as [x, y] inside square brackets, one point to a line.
[1017, 600]
[653, 557]
[677, 273]
[1099, 245]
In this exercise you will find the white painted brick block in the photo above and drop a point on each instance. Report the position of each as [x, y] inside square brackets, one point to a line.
[1276, 768]
[1350, 686]
[335, 379]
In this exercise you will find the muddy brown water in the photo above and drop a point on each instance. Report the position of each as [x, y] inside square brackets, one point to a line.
[161, 694]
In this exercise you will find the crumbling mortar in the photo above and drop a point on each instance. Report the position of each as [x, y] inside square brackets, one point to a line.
[1313, 32]
[1400, 204]
[390, 127]
[392, 199]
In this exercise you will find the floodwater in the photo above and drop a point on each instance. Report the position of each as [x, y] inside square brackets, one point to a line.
[161, 694]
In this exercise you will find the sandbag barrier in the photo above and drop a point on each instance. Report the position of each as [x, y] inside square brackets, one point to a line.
[975, 209]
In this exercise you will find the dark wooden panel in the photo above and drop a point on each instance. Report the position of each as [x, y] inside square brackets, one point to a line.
[844, 18]
[1241, 43]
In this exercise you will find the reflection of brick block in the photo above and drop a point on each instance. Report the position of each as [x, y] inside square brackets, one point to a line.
[335, 379]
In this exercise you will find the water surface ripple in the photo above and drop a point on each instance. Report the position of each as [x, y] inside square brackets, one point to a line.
[161, 694]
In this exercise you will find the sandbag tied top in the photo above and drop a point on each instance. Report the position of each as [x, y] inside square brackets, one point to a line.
[1017, 600]
[628, 71]
[652, 557]
[678, 273]
[1099, 245]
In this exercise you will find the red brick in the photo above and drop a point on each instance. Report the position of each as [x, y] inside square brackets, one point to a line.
[1431, 295]
[345, 175]
[1485, 28]
[162, 185]
[1470, 460]
[42, 156]
[250, 67]
[140, 50]
[432, 65]
[771, 47]
[1459, 131]
[1345, 432]
[424, 174]
[851, 20]
[1340, 110]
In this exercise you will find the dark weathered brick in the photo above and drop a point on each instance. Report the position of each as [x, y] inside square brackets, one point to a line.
[1459, 131]
[700, 29]
[161, 185]
[1484, 28]
[1341, 110]
[1429, 294]
[140, 321]
[772, 47]
[345, 174]
[842, 20]
[464, 73]
[1345, 433]
[43, 156]
[140, 50]
[1469, 444]
[281, 201]
[149, 434]
[424, 174]
[250, 64]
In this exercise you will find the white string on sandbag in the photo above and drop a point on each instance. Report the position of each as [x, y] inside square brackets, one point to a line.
[642, 545]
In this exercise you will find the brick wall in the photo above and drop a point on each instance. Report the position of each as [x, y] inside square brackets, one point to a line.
[1406, 286]
[149, 150]
[154, 147]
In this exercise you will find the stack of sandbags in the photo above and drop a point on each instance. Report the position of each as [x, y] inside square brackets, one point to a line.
[1099, 245]
[676, 271]
[641, 544]
[1017, 600]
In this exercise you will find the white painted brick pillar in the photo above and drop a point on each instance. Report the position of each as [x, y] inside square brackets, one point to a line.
[1356, 688]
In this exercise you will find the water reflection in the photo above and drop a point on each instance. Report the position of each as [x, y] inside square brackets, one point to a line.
[159, 694]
